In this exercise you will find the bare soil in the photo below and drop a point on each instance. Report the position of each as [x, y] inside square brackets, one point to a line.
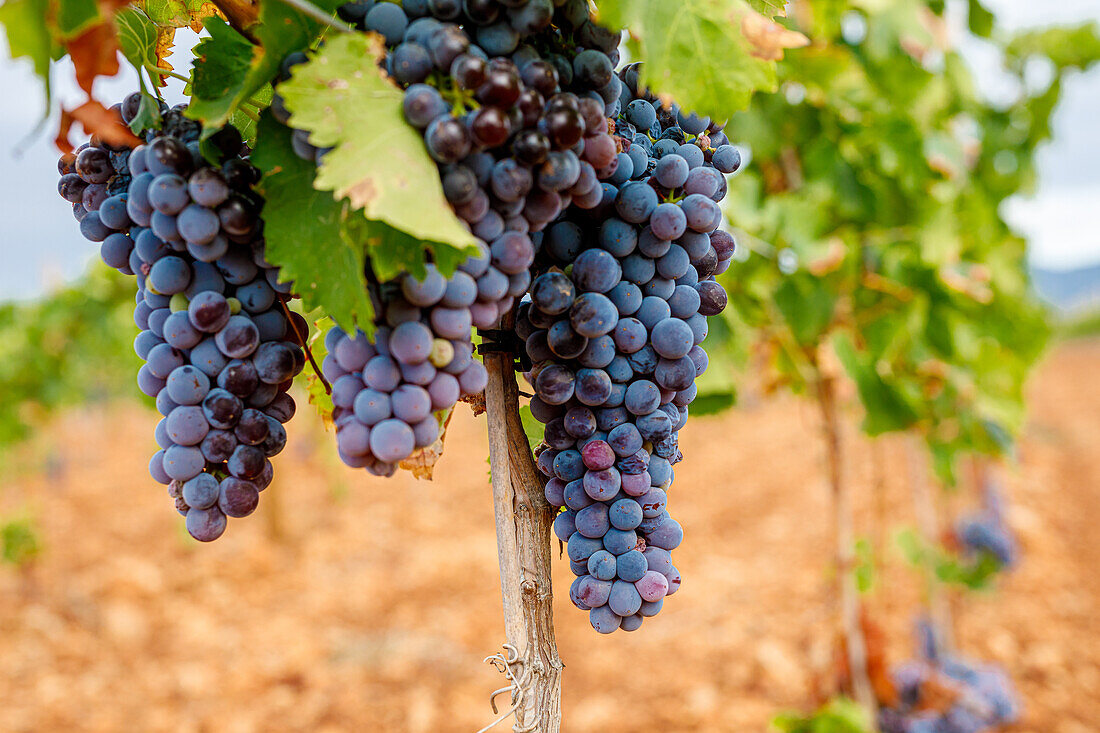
[349, 603]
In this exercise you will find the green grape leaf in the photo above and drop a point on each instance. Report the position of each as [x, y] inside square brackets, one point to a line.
[980, 19]
[708, 55]
[378, 161]
[884, 405]
[305, 234]
[245, 121]
[137, 37]
[712, 403]
[531, 427]
[28, 35]
[280, 30]
[807, 307]
[315, 387]
[148, 114]
[222, 63]
[72, 17]
[394, 252]
[770, 8]
[1069, 47]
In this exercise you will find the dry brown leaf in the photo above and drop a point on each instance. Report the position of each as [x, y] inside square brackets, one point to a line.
[206, 10]
[422, 463]
[165, 38]
[768, 39]
[475, 401]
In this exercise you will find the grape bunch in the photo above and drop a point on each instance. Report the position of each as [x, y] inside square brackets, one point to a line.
[985, 533]
[514, 151]
[515, 146]
[983, 700]
[95, 179]
[219, 345]
[390, 391]
[614, 328]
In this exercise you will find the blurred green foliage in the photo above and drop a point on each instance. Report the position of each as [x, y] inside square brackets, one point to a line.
[973, 573]
[839, 715]
[19, 543]
[73, 346]
[869, 229]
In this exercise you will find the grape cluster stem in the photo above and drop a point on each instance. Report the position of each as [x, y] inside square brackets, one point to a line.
[303, 339]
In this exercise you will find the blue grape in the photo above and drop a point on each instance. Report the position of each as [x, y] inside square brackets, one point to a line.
[629, 335]
[392, 440]
[201, 492]
[183, 463]
[238, 338]
[596, 270]
[552, 293]
[671, 171]
[624, 599]
[186, 425]
[237, 497]
[205, 525]
[580, 548]
[169, 275]
[604, 620]
[602, 565]
[727, 159]
[641, 114]
[168, 194]
[389, 20]
[187, 385]
[672, 338]
[636, 202]
[593, 314]
[162, 359]
[592, 521]
[599, 352]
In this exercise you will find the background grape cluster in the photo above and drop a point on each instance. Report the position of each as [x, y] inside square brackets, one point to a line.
[985, 533]
[984, 695]
[220, 348]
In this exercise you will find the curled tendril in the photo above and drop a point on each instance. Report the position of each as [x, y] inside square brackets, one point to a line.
[508, 666]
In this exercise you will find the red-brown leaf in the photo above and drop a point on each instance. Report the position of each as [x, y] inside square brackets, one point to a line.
[94, 53]
[96, 120]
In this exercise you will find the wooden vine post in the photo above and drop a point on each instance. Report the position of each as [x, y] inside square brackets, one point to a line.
[844, 526]
[523, 524]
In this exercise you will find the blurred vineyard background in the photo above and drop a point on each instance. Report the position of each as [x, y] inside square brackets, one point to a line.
[889, 351]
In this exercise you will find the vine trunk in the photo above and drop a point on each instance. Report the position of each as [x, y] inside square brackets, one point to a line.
[523, 523]
[855, 644]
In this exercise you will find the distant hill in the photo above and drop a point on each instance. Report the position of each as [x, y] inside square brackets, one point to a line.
[1072, 291]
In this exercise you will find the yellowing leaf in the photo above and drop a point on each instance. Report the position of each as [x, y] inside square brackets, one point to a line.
[378, 161]
[179, 13]
[696, 51]
[166, 37]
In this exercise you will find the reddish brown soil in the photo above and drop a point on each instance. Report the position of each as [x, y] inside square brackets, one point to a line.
[356, 604]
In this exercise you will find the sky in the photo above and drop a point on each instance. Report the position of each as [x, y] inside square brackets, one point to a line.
[42, 246]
